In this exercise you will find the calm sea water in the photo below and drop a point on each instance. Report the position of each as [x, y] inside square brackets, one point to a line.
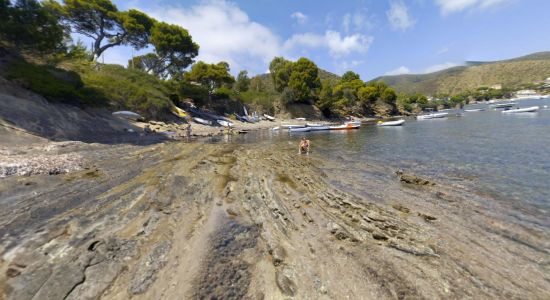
[507, 156]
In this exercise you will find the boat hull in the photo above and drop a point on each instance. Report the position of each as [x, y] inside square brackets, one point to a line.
[521, 110]
[344, 127]
[392, 123]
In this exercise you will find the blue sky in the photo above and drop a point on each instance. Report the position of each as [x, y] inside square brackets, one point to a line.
[370, 37]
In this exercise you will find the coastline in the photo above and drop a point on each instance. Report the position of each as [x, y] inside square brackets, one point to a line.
[226, 220]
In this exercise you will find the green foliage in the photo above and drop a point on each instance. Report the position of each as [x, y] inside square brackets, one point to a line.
[129, 89]
[297, 81]
[101, 21]
[211, 76]
[304, 80]
[350, 76]
[263, 100]
[30, 26]
[257, 84]
[80, 83]
[280, 70]
[54, 84]
[174, 48]
[242, 84]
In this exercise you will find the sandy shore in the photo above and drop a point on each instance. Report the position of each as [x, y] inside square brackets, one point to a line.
[196, 221]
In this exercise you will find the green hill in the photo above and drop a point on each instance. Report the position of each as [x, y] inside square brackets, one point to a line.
[511, 73]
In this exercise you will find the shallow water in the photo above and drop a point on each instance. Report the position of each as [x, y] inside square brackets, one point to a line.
[505, 156]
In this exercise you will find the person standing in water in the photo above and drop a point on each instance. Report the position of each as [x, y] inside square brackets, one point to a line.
[304, 146]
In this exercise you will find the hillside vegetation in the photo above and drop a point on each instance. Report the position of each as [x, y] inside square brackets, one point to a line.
[513, 73]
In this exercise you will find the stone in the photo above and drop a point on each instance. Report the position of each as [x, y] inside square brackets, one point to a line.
[278, 254]
[149, 266]
[287, 286]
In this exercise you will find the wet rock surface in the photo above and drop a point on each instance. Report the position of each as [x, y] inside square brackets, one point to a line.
[203, 221]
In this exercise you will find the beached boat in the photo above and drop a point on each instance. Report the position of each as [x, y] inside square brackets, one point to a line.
[353, 122]
[391, 123]
[474, 110]
[344, 127]
[299, 129]
[317, 127]
[202, 121]
[300, 119]
[225, 123]
[288, 126]
[275, 128]
[268, 117]
[432, 116]
[127, 114]
[503, 105]
[521, 110]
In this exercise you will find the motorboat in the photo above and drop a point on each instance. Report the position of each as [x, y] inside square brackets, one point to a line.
[317, 127]
[299, 129]
[391, 123]
[504, 105]
[202, 121]
[127, 114]
[345, 126]
[268, 117]
[521, 110]
[289, 126]
[225, 123]
[474, 110]
[432, 116]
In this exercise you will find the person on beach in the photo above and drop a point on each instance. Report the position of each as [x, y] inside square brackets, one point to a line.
[304, 146]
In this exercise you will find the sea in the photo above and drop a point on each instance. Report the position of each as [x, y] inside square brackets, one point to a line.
[505, 156]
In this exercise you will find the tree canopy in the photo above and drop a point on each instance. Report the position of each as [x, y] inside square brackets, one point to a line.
[101, 21]
[242, 83]
[28, 25]
[211, 76]
[297, 81]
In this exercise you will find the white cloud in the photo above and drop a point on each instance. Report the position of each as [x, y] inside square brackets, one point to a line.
[356, 22]
[337, 44]
[399, 71]
[439, 67]
[299, 17]
[224, 32]
[442, 51]
[452, 6]
[398, 16]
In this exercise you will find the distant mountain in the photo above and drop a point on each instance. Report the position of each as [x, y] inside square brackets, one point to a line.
[509, 73]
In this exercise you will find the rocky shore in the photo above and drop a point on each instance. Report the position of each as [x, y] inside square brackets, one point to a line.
[225, 221]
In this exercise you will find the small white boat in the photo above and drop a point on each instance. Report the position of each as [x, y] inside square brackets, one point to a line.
[300, 129]
[127, 114]
[391, 123]
[225, 123]
[319, 128]
[474, 110]
[432, 116]
[353, 123]
[275, 128]
[300, 119]
[289, 126]
[503, 105]
[345, 127]
[202, 121]
[268, 117]
[521, 110]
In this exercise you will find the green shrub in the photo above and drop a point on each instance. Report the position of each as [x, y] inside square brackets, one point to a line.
[54, 84]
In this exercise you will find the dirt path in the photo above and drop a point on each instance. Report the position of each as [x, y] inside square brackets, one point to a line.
[205, 221]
